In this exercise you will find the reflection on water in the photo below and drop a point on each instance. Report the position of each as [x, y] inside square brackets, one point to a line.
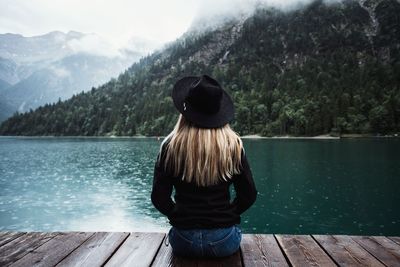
[104, 184]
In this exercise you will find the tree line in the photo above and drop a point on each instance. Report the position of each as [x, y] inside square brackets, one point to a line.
[317, 70]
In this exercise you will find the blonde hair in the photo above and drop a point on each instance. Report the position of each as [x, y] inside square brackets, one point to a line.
[207, 156]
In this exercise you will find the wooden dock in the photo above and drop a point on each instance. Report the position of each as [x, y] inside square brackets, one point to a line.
[149, 249]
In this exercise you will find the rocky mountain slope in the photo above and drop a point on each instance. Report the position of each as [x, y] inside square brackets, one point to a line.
[41, 69]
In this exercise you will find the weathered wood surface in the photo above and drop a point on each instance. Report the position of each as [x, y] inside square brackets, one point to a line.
[139, 249]
[54, 250]
[96, 250]
[9, 236]
[150, 249]
[261, 250]
[382, 248]
[345, 251]
[22, 245]
[395, 239]
[302, 250]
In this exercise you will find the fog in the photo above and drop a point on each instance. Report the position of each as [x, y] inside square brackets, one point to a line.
[120, 22]
[211, 14]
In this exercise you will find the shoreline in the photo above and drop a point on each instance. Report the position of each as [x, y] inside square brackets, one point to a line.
[322, 137]
[255, 136]
[251, 136]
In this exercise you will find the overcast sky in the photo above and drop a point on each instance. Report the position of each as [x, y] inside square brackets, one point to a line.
[116, 20]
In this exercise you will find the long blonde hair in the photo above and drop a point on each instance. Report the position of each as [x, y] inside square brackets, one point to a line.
[207, 156]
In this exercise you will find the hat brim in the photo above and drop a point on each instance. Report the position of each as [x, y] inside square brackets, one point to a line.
[216, 120]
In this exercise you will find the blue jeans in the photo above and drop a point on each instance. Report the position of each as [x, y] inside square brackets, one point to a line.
[216, 242]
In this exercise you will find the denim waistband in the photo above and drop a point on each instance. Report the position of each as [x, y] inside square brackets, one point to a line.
[202, 240]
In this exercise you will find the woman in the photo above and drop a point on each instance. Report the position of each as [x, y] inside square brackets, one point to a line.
[201, 158]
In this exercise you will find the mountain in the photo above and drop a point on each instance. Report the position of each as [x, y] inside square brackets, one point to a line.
[21, 56]
[40, 48]
[4, 85]
[9, 71]
[6, 110]
[43, 68]
[63, 78]
[324, 68]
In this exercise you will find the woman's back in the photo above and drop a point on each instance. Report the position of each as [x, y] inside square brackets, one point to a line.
[201, 158]
[203, 206]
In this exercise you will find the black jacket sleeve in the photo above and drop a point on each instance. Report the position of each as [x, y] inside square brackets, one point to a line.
[246, 192]
[162, 188]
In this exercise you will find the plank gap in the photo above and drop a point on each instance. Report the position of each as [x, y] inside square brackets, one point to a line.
[10, 236]
[44, 243]
[326, 252]
[382, 248]
[241, 256]
[283, 252]
[75, 248]
[19, 247]
[395, 239]
[303, 250]
[346, 251]
[367, 250]
[48, 253]
[116, 249]
[158, 249]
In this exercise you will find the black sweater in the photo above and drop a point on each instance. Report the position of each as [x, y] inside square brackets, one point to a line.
[202, 207]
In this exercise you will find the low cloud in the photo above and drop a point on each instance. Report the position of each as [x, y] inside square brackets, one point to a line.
[93, 44]
[60, 72]
[212, 13]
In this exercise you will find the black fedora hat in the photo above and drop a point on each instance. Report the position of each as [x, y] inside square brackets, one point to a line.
[201, 100]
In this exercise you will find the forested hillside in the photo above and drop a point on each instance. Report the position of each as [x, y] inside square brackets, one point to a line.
[325, 68]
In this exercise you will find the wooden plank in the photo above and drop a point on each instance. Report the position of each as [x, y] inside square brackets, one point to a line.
[261, 250]
[53, 251]
[10, 236]
[139, 249]
[165, 257]
[19, 247]
[345, 251]
[2, 233]
[96, 250]
[384, 249]
[302, 250]
[395, 239]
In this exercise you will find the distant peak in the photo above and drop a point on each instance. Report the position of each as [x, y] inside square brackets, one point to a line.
[75, 34]
[9, 34]
[55, 33]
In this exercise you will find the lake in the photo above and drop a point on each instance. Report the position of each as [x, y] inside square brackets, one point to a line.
[348, 186]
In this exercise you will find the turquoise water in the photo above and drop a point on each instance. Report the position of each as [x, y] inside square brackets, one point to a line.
[103, 184]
